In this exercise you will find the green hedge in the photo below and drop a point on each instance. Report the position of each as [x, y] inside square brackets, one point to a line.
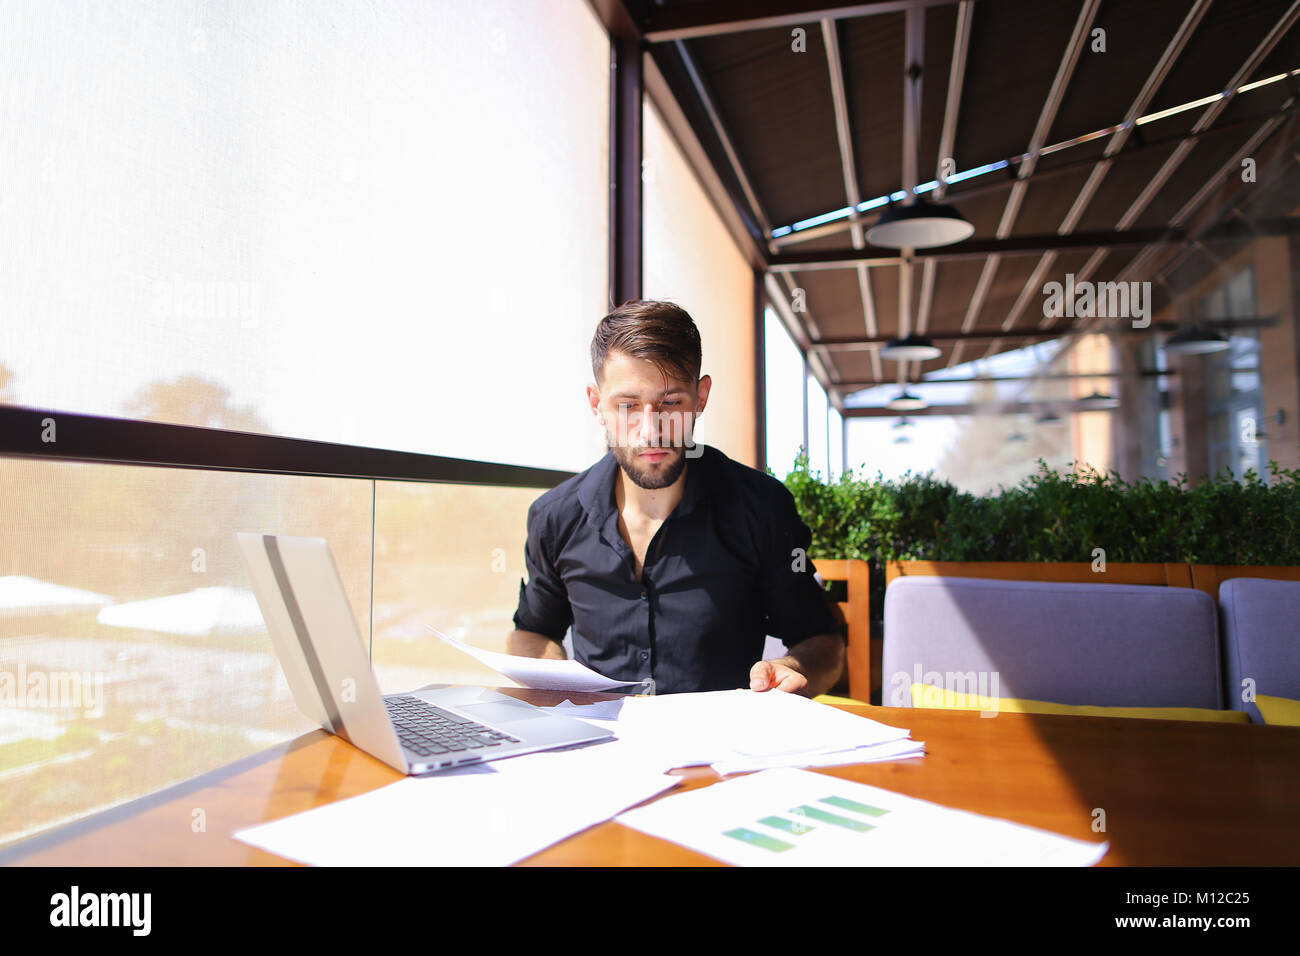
[1051, 516]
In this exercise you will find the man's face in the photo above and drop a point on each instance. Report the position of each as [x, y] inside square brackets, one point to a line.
[648, 418]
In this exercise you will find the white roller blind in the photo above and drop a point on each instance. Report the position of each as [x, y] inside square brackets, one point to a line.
[374, 223]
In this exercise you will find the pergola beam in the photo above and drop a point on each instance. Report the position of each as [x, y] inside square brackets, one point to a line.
[1123, 327]
[844, 134]
[972, 379]
[713, 17]
[871, 256]
[997, 408]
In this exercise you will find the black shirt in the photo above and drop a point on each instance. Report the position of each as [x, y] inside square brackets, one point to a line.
[728, 566]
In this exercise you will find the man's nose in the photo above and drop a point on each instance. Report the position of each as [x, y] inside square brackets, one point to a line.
[648, 430]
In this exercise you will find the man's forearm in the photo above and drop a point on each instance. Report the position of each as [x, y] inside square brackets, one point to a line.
[820, 660]
[529, 644]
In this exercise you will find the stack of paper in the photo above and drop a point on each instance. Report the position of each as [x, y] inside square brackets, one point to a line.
[796, 818]
[740, 730]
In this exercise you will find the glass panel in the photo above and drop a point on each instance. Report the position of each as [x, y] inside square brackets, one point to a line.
[818, 448]
[836, 425]
[450, 556]
[132, 652]
[783, 381]
[306, 215]
[1233, 390]
[1247, 441]
[1148, 418]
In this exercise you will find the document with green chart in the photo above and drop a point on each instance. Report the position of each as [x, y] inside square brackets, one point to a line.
[788, 817]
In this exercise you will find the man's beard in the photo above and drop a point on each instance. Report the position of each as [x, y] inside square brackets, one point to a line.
[650, 475]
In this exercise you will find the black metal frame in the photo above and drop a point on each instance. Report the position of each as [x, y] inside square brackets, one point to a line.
[712, 17]
[1121, 327]
[92, 438]
[625, 203]
[760, 373]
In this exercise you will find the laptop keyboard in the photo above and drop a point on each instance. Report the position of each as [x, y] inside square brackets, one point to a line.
[425, 729]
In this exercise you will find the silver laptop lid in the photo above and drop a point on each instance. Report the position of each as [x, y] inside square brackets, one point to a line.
[323, 656]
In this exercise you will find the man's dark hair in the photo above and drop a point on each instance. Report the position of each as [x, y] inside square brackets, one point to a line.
[659, 332]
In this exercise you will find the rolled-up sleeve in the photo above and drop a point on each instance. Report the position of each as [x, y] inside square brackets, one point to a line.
[795, 605]
[543, 600]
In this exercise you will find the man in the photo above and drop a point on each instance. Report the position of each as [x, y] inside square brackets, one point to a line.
[670, 560]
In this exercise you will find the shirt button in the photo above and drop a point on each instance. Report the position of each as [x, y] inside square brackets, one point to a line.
[645, 655]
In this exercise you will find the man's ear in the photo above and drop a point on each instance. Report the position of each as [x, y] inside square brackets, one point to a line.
[593, 398]
[702, 393]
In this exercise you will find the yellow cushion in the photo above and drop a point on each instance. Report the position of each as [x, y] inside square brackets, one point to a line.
[927, 695]
[833, 700]
[1281, 711]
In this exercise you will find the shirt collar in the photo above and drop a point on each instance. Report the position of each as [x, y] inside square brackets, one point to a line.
[596, 491]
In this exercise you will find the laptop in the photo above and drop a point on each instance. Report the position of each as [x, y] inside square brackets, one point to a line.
[326, 664]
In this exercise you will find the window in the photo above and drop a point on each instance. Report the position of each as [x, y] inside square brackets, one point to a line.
[448, 557]
[783, 381]
[294, 220]
[129, 635]
[835, 428]
[818, 441]
[300, 219]
[1232, 384]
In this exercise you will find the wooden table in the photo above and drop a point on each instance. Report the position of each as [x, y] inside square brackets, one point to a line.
[1173, 792]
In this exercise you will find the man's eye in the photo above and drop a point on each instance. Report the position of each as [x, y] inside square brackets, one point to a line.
[629, 406]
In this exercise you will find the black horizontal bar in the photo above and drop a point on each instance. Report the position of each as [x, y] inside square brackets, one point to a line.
[703, 18]
[93, 438]
[1033, 245]
[1122, 326]
[978, 248]
[1068, 406]
[1046, 376]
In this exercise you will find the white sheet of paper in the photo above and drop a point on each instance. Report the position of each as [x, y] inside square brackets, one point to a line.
[876, 753]
[537, 673]
[789, 817]
[490, 814]
[725, 725]
[741, 730]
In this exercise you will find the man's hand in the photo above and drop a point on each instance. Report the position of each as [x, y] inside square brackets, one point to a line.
[811, 667]
[778, 674]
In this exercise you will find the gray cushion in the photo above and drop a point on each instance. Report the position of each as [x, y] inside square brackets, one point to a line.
[1112, 645]
[1261, 639]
